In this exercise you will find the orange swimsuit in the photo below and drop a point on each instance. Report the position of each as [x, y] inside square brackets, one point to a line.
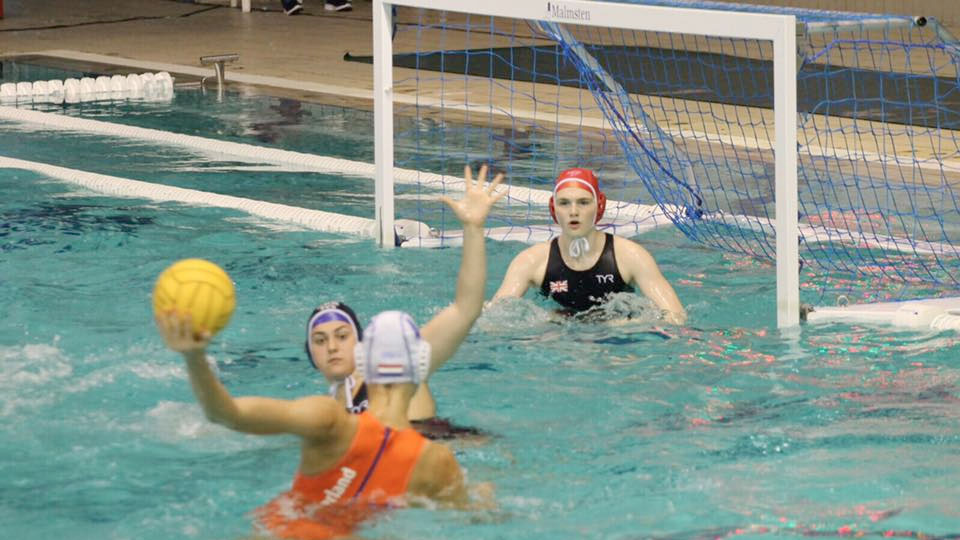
[373, 474]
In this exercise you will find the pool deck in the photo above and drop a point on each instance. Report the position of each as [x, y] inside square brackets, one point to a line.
[300, 52]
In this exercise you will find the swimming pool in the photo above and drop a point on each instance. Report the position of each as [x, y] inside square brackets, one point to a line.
[723, 428]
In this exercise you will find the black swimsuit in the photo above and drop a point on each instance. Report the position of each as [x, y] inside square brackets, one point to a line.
[581, 290]
[432, 428]
[356, 402]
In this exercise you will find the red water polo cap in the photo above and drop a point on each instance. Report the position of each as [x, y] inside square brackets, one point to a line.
[584, 179]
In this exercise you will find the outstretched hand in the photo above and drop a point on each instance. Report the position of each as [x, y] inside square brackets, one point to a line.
[478, 197]
[177, 332]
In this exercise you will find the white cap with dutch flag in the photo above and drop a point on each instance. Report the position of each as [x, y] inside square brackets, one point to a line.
[392, 350]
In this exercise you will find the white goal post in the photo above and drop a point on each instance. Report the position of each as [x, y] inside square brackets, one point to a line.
[776, 28]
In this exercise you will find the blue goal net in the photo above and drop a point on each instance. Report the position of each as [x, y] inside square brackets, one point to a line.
[680, 130]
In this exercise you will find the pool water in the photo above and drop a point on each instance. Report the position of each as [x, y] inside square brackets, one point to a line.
[626, 429]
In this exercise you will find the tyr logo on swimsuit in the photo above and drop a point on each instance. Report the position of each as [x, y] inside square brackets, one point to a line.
[604, 278]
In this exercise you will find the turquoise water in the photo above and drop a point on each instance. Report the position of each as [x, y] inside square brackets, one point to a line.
[601, 430]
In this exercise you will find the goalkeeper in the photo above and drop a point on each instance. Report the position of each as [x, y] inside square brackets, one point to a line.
[582, 266]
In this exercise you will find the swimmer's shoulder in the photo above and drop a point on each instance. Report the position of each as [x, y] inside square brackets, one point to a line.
[315, 418]
[528, 268]
[632, 258]
[535, 253]
[626, 245]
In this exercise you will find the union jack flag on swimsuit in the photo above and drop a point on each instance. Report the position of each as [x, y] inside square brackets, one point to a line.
[558, 287]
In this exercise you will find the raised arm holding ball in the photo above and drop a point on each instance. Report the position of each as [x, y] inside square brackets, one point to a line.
[375, 458]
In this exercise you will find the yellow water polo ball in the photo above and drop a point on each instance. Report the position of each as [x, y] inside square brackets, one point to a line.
[199, 288]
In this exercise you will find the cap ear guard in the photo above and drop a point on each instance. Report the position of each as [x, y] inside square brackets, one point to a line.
[306, 349]
[601, 206]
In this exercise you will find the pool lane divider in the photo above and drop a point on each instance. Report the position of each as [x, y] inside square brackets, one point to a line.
[620, 212]
[628, 219]
[317, 220]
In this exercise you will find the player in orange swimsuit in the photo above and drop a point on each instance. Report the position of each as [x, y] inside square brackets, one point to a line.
[354, 464]
[386, 458]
